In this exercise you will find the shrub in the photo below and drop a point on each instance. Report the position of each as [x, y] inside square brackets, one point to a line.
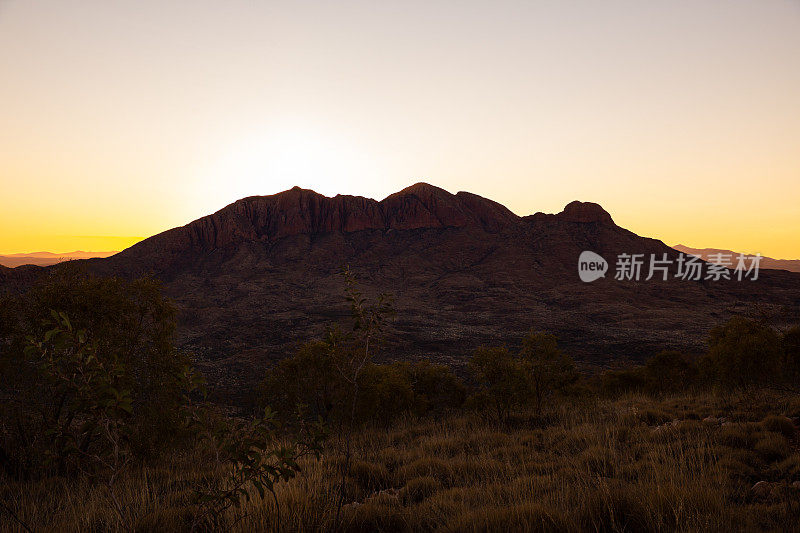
[436, 388]
[789, 467]
[743, 354]
[417, 489]
[369, 476]
[433, 467]
[500, 379]
[738, 463]
[737, 436]
[615, 508]
[128, 326]
[87, 427]
[669, 371]
[382, 513]
[386, 393]
[779, 424]
[257, 460]
[772, 447]
[548, 369]
[626, 380]
[308, 378]
[598, 461]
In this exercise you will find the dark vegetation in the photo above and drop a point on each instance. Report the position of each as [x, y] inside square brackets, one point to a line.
[105, 425]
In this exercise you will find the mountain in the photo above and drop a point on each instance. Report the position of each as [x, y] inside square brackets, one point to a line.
[792, 265]
[261, 275]
[47, 258]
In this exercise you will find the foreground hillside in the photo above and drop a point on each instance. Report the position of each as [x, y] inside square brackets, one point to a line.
[686, 463]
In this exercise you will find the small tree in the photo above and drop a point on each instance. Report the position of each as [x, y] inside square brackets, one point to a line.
[91, 403]
[351, 353]
[548, 368]
[128, 320]
[743, 353]
[501, 381]
[86, 407]
[257, 461]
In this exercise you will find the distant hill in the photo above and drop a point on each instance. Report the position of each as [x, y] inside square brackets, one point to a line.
[792, 265]
[47, 258]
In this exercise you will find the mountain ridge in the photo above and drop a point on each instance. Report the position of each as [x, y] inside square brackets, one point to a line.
[297, 211]
[262, 275]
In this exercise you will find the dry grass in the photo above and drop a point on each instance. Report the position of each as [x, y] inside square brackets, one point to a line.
[634, 464]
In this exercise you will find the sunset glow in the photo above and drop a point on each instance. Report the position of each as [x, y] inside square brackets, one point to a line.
[124, 119]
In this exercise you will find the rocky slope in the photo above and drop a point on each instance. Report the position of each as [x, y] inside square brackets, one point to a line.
[262, 275]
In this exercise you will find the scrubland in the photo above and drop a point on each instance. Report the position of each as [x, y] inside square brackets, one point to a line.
[105, 426]
[680, 463]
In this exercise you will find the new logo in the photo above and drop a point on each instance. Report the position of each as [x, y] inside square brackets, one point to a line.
[591, 266]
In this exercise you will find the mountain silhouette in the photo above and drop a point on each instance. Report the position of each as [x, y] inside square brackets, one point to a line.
[47, 258]
[262, 275]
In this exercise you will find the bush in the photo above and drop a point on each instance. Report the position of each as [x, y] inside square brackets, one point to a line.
[436, 388]
[386, 393]
[500, 380]
[779, 424]
[737, 436]
[669, 371]
[548, 369]
[617, 382]
[308, 378]
[598, 461]
[257, 461]
[789, 468]
[434, 467]
[419, 488]
[615, 508]
[87, 428]
[772, 447]
[369, 476]
[743, 354]
[382, 513]
[121, 331]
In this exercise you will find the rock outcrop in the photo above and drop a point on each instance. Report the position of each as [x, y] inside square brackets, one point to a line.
[585, 212]
[302, 211]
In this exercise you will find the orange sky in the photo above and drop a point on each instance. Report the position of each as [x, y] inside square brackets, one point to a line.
[120, 119]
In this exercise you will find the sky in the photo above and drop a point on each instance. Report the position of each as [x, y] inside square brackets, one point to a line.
[122, 119]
